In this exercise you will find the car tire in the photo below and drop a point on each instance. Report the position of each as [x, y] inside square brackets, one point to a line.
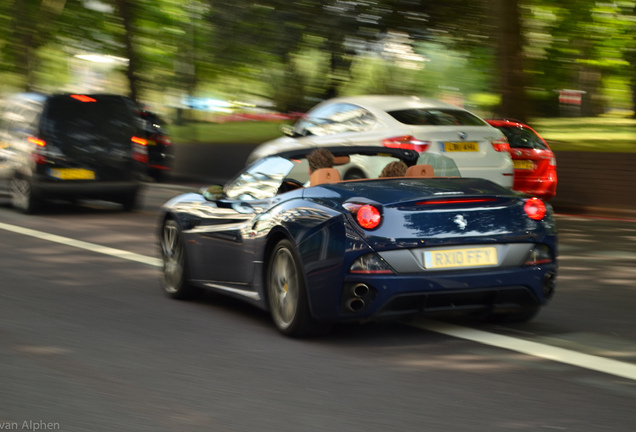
[129, 200]
[22, 196]
[287, 295]
[175, 270]
[523, 315]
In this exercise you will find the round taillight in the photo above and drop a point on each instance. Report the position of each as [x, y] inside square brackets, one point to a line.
[368, 217]
[535, 209]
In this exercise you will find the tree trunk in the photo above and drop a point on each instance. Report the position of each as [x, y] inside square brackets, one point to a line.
[632, 63]
[126, 14]
[32, 25]
[510, 56]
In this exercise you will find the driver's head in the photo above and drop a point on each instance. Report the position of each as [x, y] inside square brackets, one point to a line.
[320, 158]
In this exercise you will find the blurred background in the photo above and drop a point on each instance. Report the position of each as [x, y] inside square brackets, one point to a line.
[209, 60]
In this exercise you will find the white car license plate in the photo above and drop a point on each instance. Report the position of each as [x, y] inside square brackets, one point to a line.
[461, 146]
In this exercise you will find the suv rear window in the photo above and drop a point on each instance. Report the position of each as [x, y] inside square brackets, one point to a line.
[106, 116]
[436, 117]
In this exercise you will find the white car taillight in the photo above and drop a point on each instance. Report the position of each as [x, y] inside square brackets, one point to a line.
[406, 142]
[501, 144]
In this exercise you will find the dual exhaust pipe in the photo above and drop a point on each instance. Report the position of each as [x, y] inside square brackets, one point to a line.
[356, 303]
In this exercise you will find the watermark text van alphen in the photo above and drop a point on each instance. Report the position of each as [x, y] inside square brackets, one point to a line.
[30, 425]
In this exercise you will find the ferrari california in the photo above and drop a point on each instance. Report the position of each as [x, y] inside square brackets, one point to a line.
[313, 249]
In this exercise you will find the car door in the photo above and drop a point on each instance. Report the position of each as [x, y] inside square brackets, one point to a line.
[224, 235]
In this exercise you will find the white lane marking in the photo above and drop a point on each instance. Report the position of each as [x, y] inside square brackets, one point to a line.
[118, 253]
[599, 364]
[587, 361]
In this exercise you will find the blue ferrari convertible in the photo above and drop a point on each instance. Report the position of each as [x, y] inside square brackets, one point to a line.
[314, 250]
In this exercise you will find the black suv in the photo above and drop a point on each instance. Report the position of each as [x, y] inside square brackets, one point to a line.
[160, 151]
[71, 146]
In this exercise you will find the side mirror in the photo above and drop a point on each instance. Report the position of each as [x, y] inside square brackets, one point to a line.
[212, 193]
[288, 130]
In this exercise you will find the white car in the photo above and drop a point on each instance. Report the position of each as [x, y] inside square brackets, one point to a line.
[427, 125]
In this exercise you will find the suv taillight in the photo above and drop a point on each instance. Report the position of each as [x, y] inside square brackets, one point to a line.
[501, 144]
[140, 149]
[406, 142]
[37, 141]
[163, 140]
[38, 156]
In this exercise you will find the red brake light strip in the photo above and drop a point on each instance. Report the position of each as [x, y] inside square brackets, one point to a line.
[83, 98]
[457, 201]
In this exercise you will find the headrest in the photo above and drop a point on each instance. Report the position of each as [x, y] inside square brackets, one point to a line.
[420, 171]
[324, 175]
[341, 160]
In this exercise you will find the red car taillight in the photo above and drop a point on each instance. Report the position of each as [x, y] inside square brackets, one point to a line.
[37, 155]
[501, 144]
[139, 141]
[140, 150]
[37, 141]
[406, 142]
[163, 140]
[367, 216]
[535, 209]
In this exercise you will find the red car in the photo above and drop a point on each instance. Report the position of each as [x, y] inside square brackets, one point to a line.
[534, 162]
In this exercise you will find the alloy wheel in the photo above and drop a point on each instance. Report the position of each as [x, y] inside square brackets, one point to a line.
[283, 288]
[172, 252]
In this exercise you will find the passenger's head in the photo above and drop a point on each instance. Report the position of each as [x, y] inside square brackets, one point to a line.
[320, 158]
[394, 169]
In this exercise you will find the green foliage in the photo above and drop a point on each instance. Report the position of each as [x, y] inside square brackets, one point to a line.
[607, 133]
[296, 53]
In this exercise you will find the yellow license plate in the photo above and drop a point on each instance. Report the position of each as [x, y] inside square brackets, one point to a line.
[523, 164]
[72, 174]
[458, 258]
[461, 146]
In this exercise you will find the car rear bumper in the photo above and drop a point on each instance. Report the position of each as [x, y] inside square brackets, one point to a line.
[370, 297]
[157, 160]
[544, 189]
[502, 175]
[83, 189]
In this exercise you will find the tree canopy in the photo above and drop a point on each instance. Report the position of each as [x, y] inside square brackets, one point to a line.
[293, 53]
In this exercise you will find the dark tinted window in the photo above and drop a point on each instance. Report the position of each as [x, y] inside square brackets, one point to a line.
[436, 117]
[110, 117]
[519, 137]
